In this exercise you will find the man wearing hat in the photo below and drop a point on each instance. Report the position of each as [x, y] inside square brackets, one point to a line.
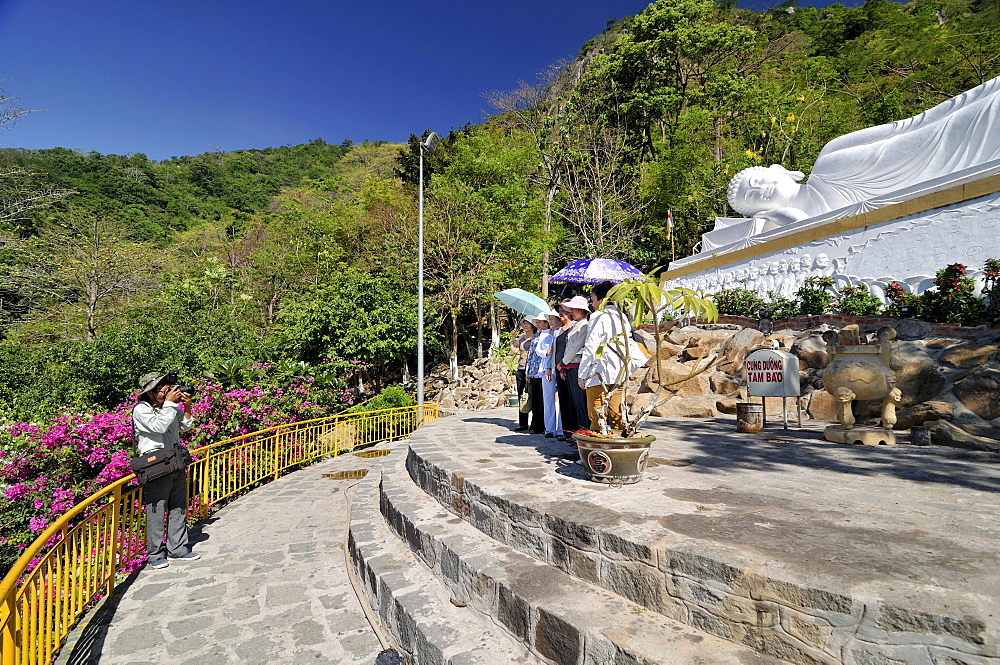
[158, 421]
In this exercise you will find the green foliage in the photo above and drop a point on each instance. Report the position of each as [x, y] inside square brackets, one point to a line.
[739, 302]
[815, 296]
[779, 307]
[898, 298]
[392, 397]
[991, 290]
[370, 317]
[858, 301]
[953, 300]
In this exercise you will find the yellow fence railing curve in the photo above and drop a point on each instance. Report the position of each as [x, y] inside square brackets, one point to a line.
[80, 557]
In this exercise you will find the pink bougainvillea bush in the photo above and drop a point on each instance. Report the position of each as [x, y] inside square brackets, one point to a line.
[46, 468]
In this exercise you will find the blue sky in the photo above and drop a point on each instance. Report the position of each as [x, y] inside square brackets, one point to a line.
[183, 77]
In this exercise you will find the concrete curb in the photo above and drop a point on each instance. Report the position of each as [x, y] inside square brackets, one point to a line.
[412, 604]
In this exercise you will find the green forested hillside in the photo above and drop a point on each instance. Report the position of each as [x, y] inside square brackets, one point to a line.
[309, 252]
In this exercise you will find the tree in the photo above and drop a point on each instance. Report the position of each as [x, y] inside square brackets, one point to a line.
[80, 273]
[601, 196]
[482, 229]
[534, 108]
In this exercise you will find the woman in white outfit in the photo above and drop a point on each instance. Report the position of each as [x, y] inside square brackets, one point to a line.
[541, 372]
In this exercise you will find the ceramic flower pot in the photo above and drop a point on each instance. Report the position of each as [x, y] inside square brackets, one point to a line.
[614, 460]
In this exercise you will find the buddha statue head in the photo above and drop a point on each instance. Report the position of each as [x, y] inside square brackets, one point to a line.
[761, 188]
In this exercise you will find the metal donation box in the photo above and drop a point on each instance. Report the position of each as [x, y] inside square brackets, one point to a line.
[773, 373]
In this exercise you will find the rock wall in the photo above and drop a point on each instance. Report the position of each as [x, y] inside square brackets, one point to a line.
[480, 386]
[949, 384]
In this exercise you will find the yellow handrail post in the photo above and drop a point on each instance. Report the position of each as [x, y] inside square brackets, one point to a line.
[7, 630]
[206, 479]
[117, 527]
[276, 435]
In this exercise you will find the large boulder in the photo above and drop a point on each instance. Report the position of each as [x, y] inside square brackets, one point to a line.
[640, 402]
[687, 407]
[920, 413]
[674, 371]
[721, 384]
[734, 350]
[727, 405]
[811, 351]
[822, 405]
[967, 354]
[669, 350]
[912, 329]
[917, 375]
[702, 344]
[949, 434]
[979, 392]
[680, 336]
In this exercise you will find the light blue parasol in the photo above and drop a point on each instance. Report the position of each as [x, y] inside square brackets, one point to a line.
[522, 301]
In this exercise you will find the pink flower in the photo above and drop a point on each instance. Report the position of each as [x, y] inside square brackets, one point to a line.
[17, 491]
[37, 524]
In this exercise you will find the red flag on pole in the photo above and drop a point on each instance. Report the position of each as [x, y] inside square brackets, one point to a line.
[670, 223]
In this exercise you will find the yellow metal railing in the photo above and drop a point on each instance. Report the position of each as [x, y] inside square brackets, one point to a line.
[79, 557]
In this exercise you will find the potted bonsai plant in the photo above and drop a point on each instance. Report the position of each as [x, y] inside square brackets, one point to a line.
[617, 454]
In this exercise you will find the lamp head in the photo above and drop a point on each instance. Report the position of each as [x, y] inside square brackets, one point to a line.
[430, 143]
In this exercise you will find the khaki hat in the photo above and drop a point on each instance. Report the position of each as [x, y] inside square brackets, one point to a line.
[149, 381]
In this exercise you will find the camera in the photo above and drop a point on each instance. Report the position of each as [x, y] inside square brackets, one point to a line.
[172, 378]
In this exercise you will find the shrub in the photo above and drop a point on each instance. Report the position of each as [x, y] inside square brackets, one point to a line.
[738, 302]
[815, 297]
[858, 301]
[898, 298]
[391, 398]
[779, 307]
[953, 300]
[46, 468]
[991, 290]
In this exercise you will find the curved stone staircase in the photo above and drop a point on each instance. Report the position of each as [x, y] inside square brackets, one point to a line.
[464, 567]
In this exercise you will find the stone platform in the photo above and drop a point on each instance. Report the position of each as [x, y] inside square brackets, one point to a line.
[736, 548]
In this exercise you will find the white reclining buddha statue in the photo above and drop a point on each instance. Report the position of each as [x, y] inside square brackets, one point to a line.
[956, 141]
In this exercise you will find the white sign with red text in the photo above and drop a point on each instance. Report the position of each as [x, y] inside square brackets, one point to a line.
[772, 373]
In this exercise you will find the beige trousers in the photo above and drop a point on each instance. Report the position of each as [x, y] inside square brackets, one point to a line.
[595, 402]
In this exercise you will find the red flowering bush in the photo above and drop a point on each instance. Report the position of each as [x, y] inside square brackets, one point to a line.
[46, 468]
[898, 298]
[953, 300]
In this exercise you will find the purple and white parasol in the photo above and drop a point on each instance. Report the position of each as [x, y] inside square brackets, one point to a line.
[595, 271]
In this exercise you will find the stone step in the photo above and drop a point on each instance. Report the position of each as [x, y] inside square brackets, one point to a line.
[565, 620]
[799, 608]
[412, 604]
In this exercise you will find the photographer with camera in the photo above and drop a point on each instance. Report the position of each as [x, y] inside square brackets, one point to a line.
[157, 422]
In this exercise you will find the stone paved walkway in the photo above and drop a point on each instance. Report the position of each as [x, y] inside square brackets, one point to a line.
[271, 587]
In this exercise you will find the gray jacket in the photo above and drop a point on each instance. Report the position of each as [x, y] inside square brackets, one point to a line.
[155, 426]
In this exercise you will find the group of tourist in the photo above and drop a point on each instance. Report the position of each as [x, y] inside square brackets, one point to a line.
[560, 373]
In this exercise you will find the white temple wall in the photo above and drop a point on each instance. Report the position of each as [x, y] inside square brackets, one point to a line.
[908, 250]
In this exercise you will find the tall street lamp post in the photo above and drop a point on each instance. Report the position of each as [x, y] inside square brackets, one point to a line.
[429, 144]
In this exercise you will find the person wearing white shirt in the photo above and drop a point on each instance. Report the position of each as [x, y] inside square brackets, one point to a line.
[594, 372]
[545, 418]
[158, 422]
